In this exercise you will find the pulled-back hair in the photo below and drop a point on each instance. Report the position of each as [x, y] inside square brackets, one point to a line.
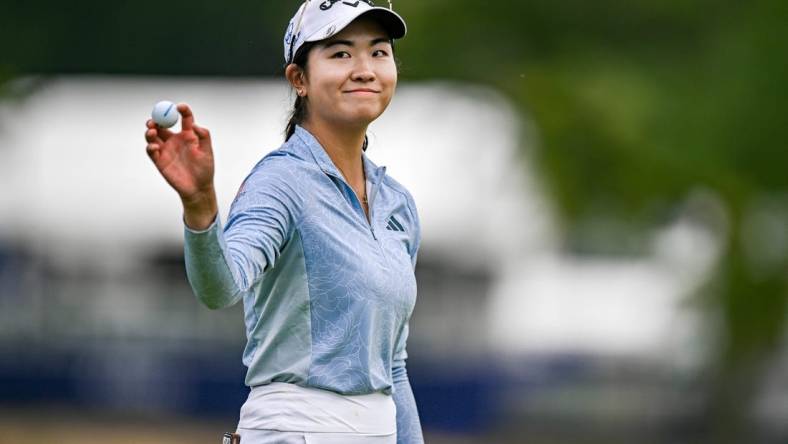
[299, 107]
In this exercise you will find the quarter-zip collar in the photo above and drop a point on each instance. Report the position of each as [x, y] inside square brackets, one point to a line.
[373, 172]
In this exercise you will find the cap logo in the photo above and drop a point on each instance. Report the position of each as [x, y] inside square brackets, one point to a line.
[289, 33]
[326, 5]
[330, 30]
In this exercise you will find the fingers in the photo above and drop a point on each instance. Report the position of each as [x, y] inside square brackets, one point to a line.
[156, 133]
[152, 136]
[187, 118]
[202, 133]
[164, 133]
[153, 151]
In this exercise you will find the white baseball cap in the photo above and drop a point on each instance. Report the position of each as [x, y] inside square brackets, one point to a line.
[317, 20]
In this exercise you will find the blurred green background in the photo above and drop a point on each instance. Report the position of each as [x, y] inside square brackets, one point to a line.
[637, 107]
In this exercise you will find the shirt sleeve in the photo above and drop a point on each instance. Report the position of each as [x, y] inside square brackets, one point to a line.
[224, 264]
[408, 423]
[416, 240]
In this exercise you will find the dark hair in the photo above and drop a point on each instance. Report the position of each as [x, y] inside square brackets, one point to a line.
[300, 111]
[299, 107]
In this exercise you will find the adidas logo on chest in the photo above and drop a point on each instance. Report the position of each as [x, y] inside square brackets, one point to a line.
[394, 225]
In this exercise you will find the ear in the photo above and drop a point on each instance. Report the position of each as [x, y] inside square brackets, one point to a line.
[296, 76]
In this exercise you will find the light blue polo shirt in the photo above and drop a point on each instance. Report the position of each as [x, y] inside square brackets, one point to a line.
[327, 293]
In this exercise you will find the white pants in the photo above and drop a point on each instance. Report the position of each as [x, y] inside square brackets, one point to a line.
[250, 436]
[289, 414]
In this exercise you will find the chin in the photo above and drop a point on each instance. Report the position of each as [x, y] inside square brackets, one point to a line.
[360, 117]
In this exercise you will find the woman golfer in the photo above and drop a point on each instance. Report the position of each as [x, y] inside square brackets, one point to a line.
[320, 244]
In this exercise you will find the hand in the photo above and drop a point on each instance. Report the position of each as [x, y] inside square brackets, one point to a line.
[185, 160]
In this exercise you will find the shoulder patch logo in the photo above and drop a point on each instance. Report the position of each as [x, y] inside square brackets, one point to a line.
[241, 189]
[394, 225]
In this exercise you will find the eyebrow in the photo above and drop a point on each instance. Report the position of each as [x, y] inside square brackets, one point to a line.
[350, 43]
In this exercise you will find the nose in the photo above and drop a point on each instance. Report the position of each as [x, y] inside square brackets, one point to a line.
[362, 71]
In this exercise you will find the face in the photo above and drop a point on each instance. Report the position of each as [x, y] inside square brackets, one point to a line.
[351, 76]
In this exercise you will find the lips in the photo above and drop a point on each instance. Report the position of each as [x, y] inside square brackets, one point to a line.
[362, 90]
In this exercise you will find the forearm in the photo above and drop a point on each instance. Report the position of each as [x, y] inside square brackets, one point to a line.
[208, 268]
[200, 210]
[408, 423]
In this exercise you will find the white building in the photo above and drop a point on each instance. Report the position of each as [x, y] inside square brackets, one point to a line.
[80, 195]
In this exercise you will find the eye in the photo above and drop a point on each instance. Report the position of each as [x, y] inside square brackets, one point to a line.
[340, 55]
[380, 53]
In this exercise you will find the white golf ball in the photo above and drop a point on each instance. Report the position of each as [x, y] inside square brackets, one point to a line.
[165, 114]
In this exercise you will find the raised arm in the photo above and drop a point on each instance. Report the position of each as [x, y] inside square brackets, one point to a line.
[221, 264]
[224, 264]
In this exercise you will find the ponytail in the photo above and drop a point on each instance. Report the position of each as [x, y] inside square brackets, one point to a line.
[297, 117]
[300, 111]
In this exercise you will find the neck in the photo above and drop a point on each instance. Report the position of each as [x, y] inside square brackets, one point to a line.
[343, 146]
